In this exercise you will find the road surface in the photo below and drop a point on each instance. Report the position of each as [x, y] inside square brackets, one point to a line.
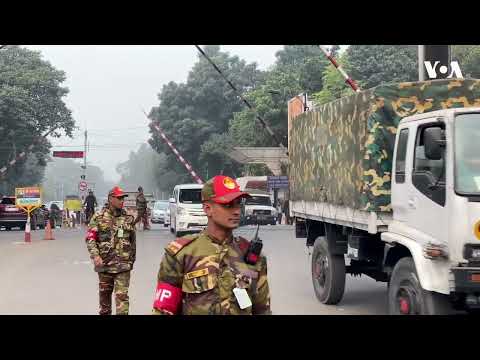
[57, 277]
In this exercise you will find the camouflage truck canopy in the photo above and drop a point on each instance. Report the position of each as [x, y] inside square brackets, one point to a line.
[341, 152]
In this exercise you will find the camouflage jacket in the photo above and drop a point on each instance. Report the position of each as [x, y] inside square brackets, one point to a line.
[141, 202]
[116, 242]
[207, 273]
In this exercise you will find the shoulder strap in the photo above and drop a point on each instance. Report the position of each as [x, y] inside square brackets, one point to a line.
[178, 244]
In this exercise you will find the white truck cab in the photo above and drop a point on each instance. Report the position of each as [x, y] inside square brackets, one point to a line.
[428, 246]
[186, 211]
[436, 201]
[258, 209]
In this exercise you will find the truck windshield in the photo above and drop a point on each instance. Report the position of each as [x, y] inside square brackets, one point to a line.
[190, 196]
[467, 154]
[258, 200]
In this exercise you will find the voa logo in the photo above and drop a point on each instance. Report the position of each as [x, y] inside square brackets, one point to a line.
[432, 69]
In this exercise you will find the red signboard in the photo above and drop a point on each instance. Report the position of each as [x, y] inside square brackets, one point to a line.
[68, 154]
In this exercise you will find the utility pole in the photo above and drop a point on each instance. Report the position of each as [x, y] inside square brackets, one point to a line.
[85, 157]
[84, 167]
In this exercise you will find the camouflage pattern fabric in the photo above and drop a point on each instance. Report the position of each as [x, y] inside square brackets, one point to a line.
[341, 152]
[116, 243]
[141, 202]
[118, 283]
[207, 272]
[142, 214]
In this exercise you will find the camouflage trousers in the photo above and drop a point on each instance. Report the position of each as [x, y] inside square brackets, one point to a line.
[119, 284]
[143, 215]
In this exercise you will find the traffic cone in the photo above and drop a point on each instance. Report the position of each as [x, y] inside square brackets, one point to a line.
[48, 232]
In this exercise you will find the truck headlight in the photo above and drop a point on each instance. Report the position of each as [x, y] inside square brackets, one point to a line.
[181, 211]
[471, 252]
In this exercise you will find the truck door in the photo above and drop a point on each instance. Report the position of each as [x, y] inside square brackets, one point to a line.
[426, 187]
[400, 173]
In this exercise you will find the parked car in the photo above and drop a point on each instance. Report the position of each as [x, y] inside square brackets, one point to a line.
[158, 212]
[11, 216]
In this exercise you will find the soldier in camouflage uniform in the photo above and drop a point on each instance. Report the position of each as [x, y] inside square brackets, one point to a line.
[111, 242]
[205, 274]
[142, 213]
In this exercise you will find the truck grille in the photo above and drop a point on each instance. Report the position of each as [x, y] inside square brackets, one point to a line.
[262, 212]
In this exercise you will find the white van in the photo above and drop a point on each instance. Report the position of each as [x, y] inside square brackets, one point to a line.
[186, 211]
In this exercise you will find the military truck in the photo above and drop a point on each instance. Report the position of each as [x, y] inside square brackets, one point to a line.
[386, 183]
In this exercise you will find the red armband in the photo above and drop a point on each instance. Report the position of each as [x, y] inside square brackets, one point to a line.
[167, 297]
[92, 234]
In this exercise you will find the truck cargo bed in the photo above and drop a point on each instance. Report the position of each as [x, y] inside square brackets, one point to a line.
[370, 221]
[341, 152]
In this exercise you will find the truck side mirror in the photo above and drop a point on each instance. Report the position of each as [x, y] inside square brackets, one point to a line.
[432, 139]
[171, 200]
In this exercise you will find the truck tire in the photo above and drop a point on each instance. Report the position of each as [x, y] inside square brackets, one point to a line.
[171, 228]
[328, 273]
[407, 297]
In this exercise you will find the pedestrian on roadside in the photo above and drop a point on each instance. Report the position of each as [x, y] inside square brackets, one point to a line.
[142, 213]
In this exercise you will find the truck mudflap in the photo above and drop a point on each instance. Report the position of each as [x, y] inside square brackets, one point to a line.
[433, 274]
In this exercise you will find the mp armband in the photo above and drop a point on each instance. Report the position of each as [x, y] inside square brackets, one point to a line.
[167, 298]
[92, 234]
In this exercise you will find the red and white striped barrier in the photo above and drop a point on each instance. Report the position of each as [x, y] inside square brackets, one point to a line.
[177, 154]
[347, 78]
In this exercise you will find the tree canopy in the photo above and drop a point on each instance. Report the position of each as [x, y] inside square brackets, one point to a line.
[31, 108]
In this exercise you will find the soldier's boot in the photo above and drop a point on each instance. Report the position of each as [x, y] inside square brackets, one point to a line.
[122, 301]
[105, 291]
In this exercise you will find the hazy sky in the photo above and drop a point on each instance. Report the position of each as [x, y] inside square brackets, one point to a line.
[110, 84]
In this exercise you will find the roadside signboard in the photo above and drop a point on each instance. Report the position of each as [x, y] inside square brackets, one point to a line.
[277, 182]
[82, 186]
[28, 197]
[68, 154]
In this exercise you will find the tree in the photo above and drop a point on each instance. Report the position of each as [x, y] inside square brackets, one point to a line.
[63, 175]
[31, 108]
[468, 57]
[298, 69]
[201, 107]
[146, 168]
[372, 65]
[334, 85]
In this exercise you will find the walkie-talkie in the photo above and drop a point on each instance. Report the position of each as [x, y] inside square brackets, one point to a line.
[254, 250]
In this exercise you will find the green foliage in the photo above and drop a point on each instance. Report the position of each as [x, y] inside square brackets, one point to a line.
[31, 107]
[372, 65]
[63, 175]
[468, 57]
[334, 85]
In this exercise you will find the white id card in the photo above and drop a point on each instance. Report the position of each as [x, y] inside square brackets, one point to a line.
[120, 233]
[242, 298]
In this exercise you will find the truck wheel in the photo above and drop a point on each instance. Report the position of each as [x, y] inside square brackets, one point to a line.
[407, 297]
[328, 273]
